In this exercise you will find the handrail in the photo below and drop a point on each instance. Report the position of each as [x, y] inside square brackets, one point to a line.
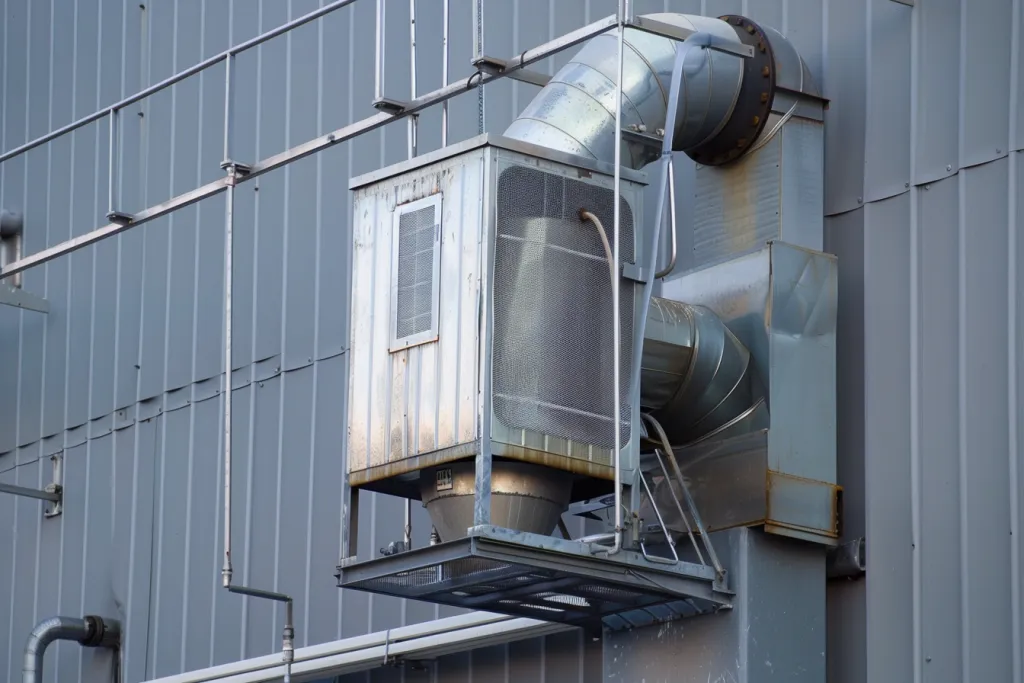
[176, 78]
[313, 146]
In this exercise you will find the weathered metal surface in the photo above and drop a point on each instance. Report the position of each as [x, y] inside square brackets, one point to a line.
[773, 193]
[781, 303]
[524, 497]
[783, 581]
[152, 299]
[514, 572]
[423, 398]
[422, 401]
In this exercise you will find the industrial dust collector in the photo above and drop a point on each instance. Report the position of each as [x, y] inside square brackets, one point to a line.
[483, 348]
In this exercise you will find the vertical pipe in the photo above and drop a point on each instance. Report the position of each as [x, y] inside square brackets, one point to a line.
[229, 219]
[444, 71]
[414, 119]
[478, 51]
[229, 67]
[669, 180]
[229, 224]
[112, 164]
[617, 331]
[378, 75]
[478, 29]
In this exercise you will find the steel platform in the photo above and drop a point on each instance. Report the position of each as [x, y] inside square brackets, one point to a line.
[507, 572]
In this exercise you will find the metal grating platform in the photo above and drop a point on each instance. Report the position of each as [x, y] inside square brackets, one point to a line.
[540, 577]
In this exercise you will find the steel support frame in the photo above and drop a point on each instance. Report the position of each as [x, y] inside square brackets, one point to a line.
[318, 144]
[568, 561]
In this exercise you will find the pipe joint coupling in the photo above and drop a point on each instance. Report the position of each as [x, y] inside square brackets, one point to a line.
[288, 646]
[100, 632]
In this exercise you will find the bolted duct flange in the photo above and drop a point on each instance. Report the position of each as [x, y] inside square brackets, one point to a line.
[729, 97]
[753, 102]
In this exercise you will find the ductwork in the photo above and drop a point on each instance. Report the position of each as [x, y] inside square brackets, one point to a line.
[90, 631]
[696, 377]
[575, 111]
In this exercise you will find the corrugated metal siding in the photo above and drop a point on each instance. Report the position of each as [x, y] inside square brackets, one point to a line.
[923, 169]
[930, 380]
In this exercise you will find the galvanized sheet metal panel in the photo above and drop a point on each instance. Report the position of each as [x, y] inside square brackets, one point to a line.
[984, 423]
[887, 124]
[844, 83]
[888, 437]
[937, 317]
[986, 31]
[936, 126]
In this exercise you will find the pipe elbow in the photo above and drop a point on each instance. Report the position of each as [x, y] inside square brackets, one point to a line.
[89, 631]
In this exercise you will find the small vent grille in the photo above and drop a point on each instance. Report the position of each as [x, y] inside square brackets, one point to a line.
[416, 261]
[553, 338]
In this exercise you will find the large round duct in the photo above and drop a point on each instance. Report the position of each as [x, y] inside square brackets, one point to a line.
[695, 375]
[524, 496]
[726, 100]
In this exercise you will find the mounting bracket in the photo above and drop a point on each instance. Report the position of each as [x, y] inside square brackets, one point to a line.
[390, 106]
[19, 298]
[497, 65]
[52, 492]
[120, 217]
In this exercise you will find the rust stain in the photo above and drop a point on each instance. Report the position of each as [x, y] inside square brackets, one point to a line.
[423, 461]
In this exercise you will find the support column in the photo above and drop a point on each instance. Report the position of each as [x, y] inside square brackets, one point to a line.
[775, 631]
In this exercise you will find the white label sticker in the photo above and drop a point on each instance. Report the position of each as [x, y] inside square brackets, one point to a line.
[444, 479]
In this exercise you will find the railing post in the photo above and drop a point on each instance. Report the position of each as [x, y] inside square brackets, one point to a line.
[113, 215]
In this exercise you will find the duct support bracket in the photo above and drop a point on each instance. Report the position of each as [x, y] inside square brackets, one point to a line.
[713, 42]
[120, 217]
[390, 106]
[52, 493]
[497, 66]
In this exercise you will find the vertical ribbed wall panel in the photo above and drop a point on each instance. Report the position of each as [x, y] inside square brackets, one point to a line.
[923, 171]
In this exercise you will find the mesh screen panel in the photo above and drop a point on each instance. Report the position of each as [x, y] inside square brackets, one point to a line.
[553, 340]
[415, 272]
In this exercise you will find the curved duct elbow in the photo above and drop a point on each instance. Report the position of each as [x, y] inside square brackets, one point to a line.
[725, 100]
[696, 377]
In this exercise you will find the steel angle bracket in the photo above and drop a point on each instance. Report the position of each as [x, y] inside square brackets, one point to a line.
[709, 41]
[19, 298]
[390, 105]
[497, 66]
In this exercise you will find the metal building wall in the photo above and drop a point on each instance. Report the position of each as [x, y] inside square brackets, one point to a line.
[922, 173]
[923, 178]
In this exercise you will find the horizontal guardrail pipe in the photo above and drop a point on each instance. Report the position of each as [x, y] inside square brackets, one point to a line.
[177, 78]
[313, 146]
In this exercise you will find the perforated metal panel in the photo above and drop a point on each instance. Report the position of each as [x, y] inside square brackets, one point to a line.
[553, 336]
[415, 266]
